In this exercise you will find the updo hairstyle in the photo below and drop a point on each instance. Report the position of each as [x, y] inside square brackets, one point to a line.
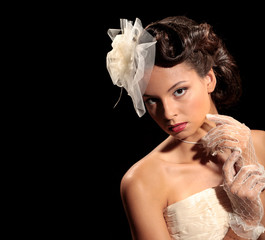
[180, 39]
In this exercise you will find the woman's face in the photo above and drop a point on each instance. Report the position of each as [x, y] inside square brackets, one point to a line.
[178, 99]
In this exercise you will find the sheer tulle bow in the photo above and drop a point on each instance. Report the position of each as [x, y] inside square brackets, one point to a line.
[131, 60]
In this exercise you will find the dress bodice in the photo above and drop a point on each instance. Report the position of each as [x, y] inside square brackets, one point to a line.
[201, 216]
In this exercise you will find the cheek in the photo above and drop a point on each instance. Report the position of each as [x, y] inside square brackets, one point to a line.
[153, 114]
[198, 105]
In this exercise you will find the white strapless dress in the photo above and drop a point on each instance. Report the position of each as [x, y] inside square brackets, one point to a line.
[202, 216]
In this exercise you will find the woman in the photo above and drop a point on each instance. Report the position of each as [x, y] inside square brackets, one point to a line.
[205, 180]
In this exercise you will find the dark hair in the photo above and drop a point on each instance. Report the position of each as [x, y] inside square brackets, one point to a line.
[180, 39]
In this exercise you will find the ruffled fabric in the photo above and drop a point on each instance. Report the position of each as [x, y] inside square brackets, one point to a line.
[131, 60]
[243, 230]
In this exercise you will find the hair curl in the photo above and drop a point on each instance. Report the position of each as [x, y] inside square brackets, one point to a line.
[180, 39]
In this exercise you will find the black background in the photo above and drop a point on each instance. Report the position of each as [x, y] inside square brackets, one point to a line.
[114, 139]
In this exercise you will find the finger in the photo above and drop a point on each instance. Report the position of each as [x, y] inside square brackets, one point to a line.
[224, 144]
[208, 125]
[245, 175]
[248, 177]
[222, 155]
[221, 119]
[248, 183]
[212, 134]
[260, 186]
[223, 131]
[228, 167]
[253, 187]
[221, 146]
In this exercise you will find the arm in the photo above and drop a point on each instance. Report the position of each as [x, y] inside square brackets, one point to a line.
[259, 143]
[243, 174]
[230, 235]
[144, 211]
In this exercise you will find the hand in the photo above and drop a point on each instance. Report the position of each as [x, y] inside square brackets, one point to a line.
[244, 177]
[230, 135]
[243, 190]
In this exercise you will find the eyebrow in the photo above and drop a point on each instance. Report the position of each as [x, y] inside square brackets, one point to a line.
[176, 84]
[172, 87]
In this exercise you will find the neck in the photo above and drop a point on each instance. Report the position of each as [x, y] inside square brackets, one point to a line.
[213, 109]
[176, 151]
[190, 148]
[189, 142]
[184, 152]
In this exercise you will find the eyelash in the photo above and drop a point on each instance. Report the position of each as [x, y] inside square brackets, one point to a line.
[183, 91]
[154, 100]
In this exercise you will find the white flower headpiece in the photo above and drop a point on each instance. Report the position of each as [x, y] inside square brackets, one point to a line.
[131, 60]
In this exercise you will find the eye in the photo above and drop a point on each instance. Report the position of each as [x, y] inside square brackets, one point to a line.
[151, 101]
[179, 92]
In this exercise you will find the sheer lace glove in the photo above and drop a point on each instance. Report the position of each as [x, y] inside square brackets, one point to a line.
[243, 190]
[232, 135]
[244, 177]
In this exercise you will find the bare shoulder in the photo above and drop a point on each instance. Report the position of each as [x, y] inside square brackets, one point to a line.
[145, 171]
[144, 178]
[258, 134]
[258, 137]
[144, 198]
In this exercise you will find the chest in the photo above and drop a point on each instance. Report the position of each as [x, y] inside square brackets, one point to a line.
[187, 179]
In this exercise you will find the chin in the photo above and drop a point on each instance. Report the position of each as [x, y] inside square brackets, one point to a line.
[188, 135]
[181, 135]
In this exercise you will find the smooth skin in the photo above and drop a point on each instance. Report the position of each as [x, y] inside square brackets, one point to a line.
[175, 170]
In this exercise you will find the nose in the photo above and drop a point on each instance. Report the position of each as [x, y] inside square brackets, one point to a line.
[169, 109]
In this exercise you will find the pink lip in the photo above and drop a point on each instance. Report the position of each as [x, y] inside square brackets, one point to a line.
[178, 127]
